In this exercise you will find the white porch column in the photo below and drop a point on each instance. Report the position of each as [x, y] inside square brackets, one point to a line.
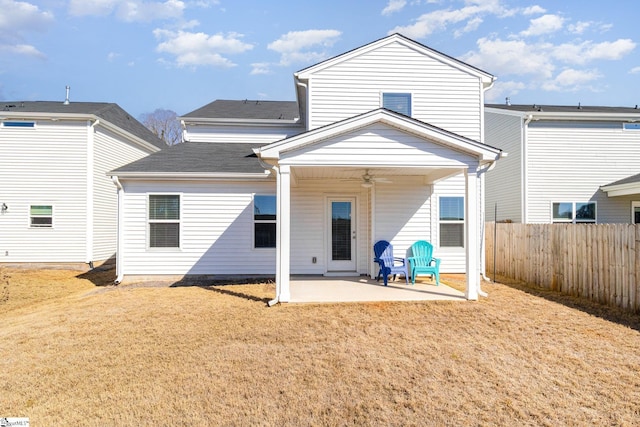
[472, 244]
[283, 224]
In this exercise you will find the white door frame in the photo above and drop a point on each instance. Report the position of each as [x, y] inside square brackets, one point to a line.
[341, 267]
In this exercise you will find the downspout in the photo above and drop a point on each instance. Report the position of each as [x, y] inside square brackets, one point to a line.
[90, 207]
[483, 89]
[274, 169]
[119, 269]
[482, 232]
[523, 167]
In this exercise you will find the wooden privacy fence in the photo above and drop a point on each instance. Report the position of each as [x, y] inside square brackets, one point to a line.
[596, 261]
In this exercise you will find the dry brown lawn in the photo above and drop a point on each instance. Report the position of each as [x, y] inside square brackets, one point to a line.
[76, 351]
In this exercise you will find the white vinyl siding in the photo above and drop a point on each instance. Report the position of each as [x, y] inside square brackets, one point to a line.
[216, 229]
[570, 161]
[453, 258]
[403, 213]
[110, 152]
[45, 165]
[377, 144]
[49, 165]
[309, 213]
[504, 183]
[443, 96]
[241, 134]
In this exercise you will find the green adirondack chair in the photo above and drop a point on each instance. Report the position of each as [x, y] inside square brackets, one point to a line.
[422, 261]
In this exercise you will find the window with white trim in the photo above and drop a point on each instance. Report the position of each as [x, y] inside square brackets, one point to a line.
[635, 212]
[264, 221]
[164, 221]
[398, 102]
[451, 222]
[41, 216]
[574, 212]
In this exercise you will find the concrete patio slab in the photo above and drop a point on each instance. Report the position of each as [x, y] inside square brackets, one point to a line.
[318, 289]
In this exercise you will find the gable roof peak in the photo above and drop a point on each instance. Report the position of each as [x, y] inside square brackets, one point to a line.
[394, 38]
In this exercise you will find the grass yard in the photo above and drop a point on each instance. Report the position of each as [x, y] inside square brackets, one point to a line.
[77, 351]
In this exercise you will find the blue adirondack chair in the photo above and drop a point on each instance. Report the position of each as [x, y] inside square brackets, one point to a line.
[423, 262]
[389, 265]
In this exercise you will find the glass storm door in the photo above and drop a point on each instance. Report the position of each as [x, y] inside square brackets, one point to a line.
[342, 235]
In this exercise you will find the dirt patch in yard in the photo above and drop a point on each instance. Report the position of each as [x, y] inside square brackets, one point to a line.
[219, 356]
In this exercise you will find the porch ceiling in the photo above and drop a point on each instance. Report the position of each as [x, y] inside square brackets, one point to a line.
[430, 174]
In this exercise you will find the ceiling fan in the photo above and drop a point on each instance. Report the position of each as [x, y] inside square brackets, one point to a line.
[368, 180]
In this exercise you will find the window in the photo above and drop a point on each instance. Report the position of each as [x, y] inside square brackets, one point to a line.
[574, 212]
[398, 102]
[264, 221]
[164, 221]
[18, 124]
[631, 126]
[41, 216]
[451, 221]
[635, 212]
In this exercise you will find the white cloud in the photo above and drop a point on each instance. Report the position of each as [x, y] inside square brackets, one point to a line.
[533, 10]
[304, 46]
[394, 6]
[571, 80]
[23, 49]
[260, 68]
[502, 90]
[634, 70]
[544, 25]
[518, 57]
[111, 56]
[438, 20]
[588, 51]
[472, 25]
[511, 57]
[580, 27]
[195, 49]
[128, 10]
[17, 20]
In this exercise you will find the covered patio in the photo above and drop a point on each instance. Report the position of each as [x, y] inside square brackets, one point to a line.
[319, 289]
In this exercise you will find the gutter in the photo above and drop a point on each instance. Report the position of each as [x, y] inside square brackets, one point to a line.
[523, 168]
[119, 237]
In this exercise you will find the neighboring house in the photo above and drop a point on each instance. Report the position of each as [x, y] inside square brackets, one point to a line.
[57, 204]
[384, 142]
[566, 164]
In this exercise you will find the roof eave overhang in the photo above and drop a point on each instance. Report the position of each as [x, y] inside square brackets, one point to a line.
[189, 121]
[550, 115]
[158, 176]
[618, 190]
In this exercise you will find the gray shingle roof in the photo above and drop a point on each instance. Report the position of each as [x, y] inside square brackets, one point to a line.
[633, 179]
[109, 112]
[533, 108]
[247, 109]
[198, 157]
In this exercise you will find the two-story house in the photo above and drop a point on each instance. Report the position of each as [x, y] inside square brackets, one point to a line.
[57, 203]
[383, 142]
[569, 164]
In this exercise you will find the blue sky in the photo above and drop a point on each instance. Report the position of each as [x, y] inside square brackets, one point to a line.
[183, 54]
